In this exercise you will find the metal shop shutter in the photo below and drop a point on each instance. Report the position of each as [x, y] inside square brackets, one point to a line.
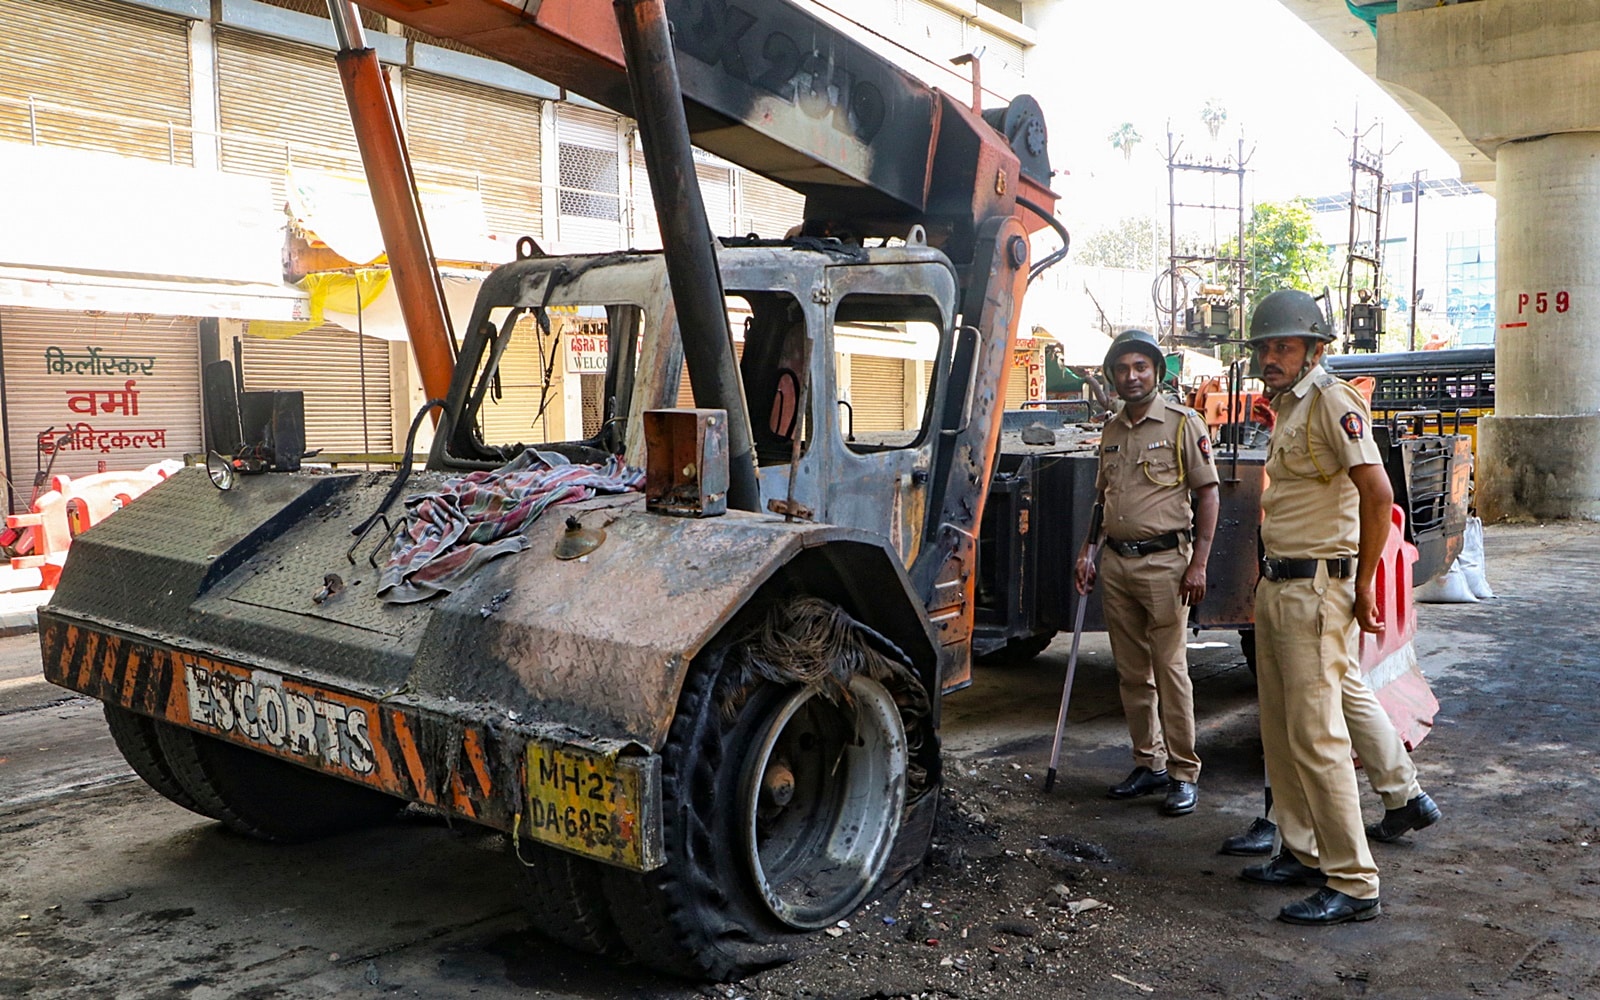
[590, 170]
[878, 393]
[716, 190]
[767, 208]
[136, 66]
[345, 378]
[37, 392]
[486, 139]
[1017, 382]
[515, 418]
[281, 103]
[686, 391]
[929, 28]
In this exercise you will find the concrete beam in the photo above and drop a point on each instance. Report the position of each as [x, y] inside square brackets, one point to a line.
[1332, 20]
[1499, 71]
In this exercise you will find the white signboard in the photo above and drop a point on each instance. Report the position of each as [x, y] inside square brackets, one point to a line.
[588, 347]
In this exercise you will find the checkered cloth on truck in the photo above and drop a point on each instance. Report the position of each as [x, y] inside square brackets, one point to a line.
[447, 535]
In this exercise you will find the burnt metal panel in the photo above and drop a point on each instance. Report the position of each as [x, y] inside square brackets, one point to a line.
[597, 644]
[602, 643]
[1235, 563]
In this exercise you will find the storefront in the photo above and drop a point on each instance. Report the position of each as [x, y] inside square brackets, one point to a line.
[91, 393]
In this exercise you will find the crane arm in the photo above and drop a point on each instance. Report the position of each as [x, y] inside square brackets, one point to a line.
[779, 92]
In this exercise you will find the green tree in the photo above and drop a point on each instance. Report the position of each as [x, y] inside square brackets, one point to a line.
[1282, 250]
[1132, 242]
[1214, 115]
[1125, 138]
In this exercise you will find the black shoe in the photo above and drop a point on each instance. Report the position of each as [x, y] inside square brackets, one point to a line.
[1142, 781]
[1396, 823]
[1285, 869]
[1181, 797]
[1255, 841]
[1329, 906]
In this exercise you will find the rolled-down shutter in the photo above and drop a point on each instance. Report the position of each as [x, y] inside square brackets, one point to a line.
[515, 418]
[878, 393]
[1017, 381]
[716, 191]
[686, 391]
[345, 378]
[59, 365]
[483, 138]
[281, 104]
[77, 59]
[767, 208]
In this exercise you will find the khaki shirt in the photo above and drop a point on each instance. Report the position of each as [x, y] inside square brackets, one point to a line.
[1147, 470]
[1310, 509]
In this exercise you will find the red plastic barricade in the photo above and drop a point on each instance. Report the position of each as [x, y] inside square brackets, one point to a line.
[1389, 659]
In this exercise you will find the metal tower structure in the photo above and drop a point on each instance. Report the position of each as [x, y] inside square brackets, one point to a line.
[1361, 285]
[1213, 309]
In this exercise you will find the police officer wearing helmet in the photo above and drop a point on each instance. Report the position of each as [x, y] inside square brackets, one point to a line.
[1325, 519]
[1152, 454]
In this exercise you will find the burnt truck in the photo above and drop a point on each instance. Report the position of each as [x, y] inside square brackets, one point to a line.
[701, 697]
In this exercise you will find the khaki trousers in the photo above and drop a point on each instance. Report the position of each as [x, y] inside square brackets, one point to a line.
[1145, 617]
[1383, 754]
[1306, 655]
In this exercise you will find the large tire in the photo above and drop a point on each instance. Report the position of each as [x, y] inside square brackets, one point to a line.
[1247, 646]
[262, 797]
[136, 737]
[565, 901]
[1016, 652]
[785, 806]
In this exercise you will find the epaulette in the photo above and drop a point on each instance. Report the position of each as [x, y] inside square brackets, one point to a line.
[1326, 380]
[1178, 407]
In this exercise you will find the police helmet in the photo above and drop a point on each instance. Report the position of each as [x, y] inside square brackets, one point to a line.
[1289, 313]
[1142, 342]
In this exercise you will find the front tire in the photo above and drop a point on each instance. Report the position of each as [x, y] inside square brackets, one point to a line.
[786, 804]
[265, 798]
[138, 739]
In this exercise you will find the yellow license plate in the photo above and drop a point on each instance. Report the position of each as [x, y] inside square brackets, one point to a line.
[604, 806]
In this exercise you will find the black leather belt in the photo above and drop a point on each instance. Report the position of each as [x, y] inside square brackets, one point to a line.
[1305, 569]
[1160, 543]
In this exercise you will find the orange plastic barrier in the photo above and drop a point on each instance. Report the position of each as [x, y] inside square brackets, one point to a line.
[72, 506]
[1389, 659]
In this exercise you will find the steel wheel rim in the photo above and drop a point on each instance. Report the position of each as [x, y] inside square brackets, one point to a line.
[814, 858]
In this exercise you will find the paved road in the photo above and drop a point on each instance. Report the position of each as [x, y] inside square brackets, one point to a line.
[108, 890]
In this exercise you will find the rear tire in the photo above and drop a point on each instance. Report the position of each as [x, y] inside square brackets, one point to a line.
[262, 797]
[565, 902]
[136, 737]
[785, 807]
[1247, 646]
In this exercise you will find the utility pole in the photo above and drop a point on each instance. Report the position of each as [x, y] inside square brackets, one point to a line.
[1416, 229]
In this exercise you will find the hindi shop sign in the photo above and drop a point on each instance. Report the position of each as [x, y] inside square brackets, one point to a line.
[82, 381]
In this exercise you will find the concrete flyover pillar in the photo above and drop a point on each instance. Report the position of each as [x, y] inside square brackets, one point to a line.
[1539, 455]
[1520, 81]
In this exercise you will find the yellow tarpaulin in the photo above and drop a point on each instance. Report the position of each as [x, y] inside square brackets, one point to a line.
[338, 291]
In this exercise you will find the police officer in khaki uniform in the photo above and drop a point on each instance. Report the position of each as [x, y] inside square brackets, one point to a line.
[1152, 454]
[1325, 518]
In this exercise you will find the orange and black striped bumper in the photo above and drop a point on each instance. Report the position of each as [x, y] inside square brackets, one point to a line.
[597, 799]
